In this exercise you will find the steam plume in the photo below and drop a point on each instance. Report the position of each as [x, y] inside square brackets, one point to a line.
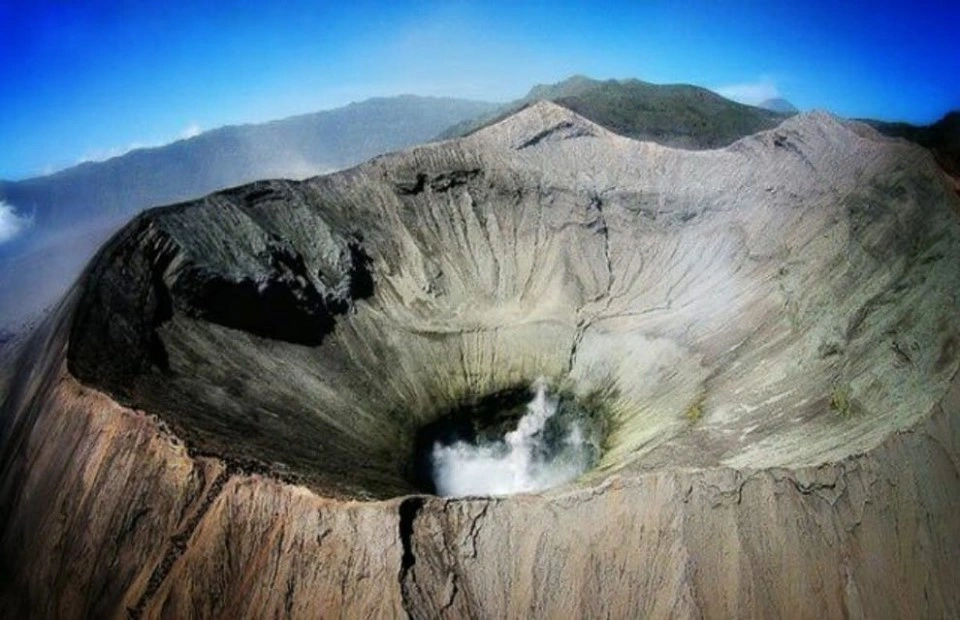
[11, 224]
[525, 460]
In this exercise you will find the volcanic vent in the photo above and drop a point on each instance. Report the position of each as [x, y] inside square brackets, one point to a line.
[509, 443]
[760, 344]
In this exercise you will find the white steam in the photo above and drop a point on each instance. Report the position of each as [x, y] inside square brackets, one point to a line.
[192, 130]
[11, 224]
[523, 461]
[751, 93]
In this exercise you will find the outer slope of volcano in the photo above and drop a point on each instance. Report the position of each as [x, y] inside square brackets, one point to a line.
[771, 327]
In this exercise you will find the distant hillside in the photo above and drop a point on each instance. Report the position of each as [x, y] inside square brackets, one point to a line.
[941, 137]
[673, 114]
[298, 147]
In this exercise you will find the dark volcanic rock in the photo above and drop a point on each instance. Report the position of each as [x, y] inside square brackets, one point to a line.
[251, 279]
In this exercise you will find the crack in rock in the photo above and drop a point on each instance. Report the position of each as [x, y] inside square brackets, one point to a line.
[178, 545]
[409, 510]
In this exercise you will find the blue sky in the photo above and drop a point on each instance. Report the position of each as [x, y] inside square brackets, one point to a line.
[87, 80]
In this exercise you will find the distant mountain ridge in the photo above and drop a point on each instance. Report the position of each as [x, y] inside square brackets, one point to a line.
[294, 147]
[691, 117]
[678, 115]
[942, 138]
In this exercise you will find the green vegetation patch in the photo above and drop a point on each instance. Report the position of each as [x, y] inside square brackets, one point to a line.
[842, 403]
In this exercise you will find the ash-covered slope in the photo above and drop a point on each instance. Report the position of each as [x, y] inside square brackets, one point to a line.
[770, 330]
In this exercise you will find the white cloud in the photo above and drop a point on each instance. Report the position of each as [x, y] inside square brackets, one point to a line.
[750, 93]
[193, 129]
[11, 224]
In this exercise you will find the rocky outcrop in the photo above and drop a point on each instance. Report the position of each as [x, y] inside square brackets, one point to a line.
[219, 420]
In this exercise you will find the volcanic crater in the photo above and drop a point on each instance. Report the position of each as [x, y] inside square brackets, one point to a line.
[764, 338]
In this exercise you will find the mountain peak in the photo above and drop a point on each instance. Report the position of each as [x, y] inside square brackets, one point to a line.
[540, 121]
[673, 114]
[573, 85]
